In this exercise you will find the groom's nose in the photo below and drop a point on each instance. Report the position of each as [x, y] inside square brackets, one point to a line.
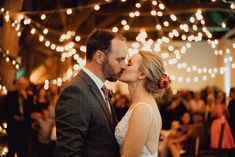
[123, 65]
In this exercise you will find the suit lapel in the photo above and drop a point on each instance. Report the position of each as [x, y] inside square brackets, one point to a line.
[98, 96]
[115, 121]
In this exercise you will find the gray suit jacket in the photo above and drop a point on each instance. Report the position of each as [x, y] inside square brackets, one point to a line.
[84, 124]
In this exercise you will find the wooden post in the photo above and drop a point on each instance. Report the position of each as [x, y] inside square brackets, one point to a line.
[10, 41]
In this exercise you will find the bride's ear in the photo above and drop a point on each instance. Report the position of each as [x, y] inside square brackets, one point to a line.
[142, 76]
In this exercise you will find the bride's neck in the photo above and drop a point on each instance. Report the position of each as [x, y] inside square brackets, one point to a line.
[139, 93]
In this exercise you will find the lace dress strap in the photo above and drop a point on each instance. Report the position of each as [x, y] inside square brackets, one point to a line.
[149, 106]
[146, 150]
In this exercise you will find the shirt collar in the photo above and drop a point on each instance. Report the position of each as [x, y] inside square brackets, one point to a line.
[99, 83]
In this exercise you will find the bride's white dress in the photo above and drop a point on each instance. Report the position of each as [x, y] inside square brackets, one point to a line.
[122, 127]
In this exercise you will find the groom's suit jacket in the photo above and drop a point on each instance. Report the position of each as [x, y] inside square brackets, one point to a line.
[85, 128]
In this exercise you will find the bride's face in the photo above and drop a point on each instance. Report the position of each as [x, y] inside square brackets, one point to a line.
[131, 73]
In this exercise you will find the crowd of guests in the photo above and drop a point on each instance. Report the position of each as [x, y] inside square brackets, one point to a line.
[192, 120]
[197, 120]
[30, 115]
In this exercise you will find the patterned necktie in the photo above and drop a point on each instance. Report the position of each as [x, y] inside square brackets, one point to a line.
[106, 92]
[106, 96]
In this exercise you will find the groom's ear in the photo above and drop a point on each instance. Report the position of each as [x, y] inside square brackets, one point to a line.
[99, 57]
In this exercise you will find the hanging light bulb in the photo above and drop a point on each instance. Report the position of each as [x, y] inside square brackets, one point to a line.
[115, 29]
[43, 17]
[159, 13]
[45, 31]
[69, 11]
[166, 23]
[173, 17]
[158, 27]
[153, 13]
[77, 38]
[123, 22]
[33, 31]
[223, 25]
[137, 5]
[131, 14]
[126, 27]
[97, 7]
[232, 6]
[41, 38]
[154, 3]
[161, 6]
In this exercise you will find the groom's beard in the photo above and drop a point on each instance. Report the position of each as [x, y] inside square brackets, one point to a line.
[109, 72]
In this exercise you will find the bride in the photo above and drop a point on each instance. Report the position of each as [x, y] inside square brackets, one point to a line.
[138, 131]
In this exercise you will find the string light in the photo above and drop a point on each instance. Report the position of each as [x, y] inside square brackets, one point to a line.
[68, 75]
[41, 37]
[161, 6]
[154, 3]
[223, 25]
[153, 13]
[172, 34]
[126, 27]
[43, 17]
[3, 91]
[77, 38]
[33, 31]
[63, 10]
[158, 27]
[137, 5]
[188, 79]
[232, 6]
[3, 148]
[159, 13]
[173, 17]
[97, 7]
[115, 29]
[5, 55]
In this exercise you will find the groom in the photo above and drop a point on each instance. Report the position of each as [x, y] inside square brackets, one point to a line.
[85, 120]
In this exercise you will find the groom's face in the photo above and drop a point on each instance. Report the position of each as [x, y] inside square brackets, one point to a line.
[114, 62]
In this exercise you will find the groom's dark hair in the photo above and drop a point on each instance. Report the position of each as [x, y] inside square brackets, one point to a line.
[100, 39]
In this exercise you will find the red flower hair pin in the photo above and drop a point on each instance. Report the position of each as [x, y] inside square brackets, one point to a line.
[164, 81]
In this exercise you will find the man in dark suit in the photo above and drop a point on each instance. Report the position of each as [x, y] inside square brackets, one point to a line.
[85, 120]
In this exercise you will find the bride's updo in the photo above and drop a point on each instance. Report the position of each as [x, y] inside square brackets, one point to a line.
[153, 67]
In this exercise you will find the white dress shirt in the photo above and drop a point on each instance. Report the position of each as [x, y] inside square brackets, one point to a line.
[99, 83]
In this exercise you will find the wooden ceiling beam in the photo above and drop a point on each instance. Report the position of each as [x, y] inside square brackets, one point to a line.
[80, 18]
[204, 7]
[169, 29]
[62, 15]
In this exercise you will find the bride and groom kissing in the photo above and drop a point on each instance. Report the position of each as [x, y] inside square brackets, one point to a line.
[85, 120]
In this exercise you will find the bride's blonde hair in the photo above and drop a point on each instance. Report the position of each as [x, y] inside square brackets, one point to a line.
[153, 67]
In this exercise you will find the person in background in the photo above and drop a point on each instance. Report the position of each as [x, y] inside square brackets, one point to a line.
[197, 108]
[173, 143]
[231, 109]
[216, 126]
[18, 105]
[44, 127]
[121, 106]
[53, 95]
